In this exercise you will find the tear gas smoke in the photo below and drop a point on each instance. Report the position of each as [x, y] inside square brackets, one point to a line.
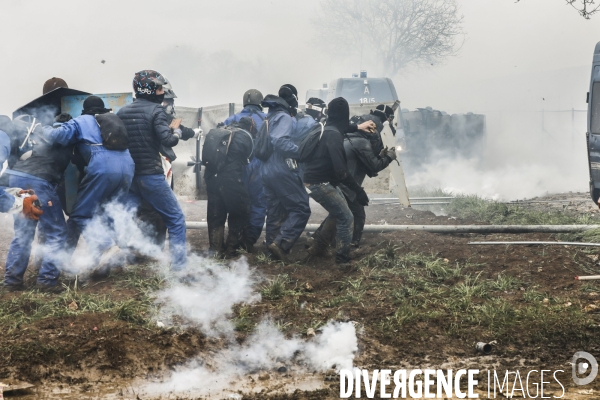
[205, 299]
[525, 154]
[208, 299]
[263, 351]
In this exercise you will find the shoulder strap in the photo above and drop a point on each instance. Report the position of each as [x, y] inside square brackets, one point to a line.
[252, 112]
[230, 139]
[251, 141]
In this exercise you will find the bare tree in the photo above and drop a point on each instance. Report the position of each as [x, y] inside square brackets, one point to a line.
[586, 8]
[399, 33]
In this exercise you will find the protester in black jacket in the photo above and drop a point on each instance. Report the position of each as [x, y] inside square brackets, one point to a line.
[326, 170]
[152, 224]
[148, 130]
[228, 198]
[362, 161]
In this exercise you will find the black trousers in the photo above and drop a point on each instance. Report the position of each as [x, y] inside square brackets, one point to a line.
[228, 201]
[360, 217]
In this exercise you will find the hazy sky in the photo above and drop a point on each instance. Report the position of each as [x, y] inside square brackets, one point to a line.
[212, 51]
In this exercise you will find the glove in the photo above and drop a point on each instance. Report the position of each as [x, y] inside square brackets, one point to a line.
[177, 132]
[63, 117]
[391, 154]
[31, 208]
[383, 152]
[362, 198]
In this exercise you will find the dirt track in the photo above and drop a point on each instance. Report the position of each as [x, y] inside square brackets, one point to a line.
[403, 292]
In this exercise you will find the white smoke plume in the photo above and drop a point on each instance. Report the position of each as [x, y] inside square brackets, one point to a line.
[265, 350]
[204, 297]
[209, 294]
[509, 182]
[525, 154]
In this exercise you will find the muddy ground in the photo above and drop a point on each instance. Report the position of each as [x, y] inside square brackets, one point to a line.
[417, 300]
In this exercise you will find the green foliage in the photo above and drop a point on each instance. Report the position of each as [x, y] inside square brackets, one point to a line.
[496, 213]
[275, 288]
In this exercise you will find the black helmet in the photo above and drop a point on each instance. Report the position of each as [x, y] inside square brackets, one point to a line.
[169, 93]
[253, 97]
[286, 92]
[147, 81]
[383, 112]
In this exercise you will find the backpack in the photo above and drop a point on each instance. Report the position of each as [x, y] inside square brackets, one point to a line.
[216, 146]
[309, 144]
[263, 147]
[112, 131]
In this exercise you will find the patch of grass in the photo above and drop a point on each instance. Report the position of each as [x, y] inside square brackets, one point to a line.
[505, 283]
[275, 288]
[471, 287]
[32, 306]
[142, 279]
[591, 236]
[533, 296]
[402, 317]
[243, 320]
[589, 287]
[432, 294]
[262, 258]
[494, 212]
[495, 314]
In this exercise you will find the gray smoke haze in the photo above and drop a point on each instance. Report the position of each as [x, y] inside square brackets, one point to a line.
[212, 51]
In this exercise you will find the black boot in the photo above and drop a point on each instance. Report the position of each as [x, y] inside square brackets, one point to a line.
[318, 247]
[278, 253]
[216, 237]
[342, 255]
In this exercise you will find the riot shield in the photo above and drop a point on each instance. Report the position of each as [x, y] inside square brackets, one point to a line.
[397, 182]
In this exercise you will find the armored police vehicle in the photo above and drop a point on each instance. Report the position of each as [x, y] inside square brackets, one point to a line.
[593, 126]
[357, 90]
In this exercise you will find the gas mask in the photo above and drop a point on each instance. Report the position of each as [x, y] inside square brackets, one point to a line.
[169, 107]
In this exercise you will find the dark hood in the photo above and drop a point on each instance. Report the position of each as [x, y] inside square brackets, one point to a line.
[274, 103]
[338, 114]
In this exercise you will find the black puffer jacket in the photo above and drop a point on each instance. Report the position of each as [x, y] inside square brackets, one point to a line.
[376, 142]
[361, 157]
[147, 129]
[186, 133]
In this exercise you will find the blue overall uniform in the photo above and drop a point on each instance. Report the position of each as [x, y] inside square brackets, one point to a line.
[288, 207]
[6, 199]
[252, 179]
[108, 176]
